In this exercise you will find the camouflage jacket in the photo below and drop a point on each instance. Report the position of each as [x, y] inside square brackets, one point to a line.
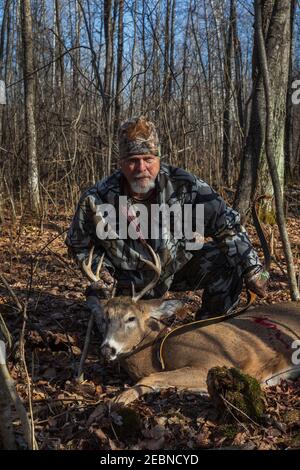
[123, 257]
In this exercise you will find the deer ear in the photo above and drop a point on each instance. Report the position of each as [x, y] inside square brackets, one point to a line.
[164, 309]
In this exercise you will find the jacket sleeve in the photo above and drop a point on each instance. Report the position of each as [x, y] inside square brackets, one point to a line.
[223, 225]
[81, 235]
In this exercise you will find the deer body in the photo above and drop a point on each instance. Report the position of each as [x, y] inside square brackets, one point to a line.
[260, 342]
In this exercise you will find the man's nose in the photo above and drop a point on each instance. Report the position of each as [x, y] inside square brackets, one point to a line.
[141, 165]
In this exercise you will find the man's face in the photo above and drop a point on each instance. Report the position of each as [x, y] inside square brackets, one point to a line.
[140, 172]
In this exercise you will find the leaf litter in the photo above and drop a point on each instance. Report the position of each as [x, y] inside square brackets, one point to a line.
[69, 415]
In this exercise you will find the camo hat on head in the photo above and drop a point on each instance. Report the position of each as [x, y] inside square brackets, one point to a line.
[138, 136]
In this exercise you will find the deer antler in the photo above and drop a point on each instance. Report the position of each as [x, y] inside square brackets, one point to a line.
[87, 267]
[156, 266]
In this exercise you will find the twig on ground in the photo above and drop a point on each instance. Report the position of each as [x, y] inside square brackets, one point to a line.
[33, 442]
[80, 375]
[240, 411]
[12, 293]
[14, 397]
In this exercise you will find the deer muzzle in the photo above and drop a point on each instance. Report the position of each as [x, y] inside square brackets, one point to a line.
[110, 353]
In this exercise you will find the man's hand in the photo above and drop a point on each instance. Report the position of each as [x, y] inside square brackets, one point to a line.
[98, 288]
[103, 287]
[257, 280]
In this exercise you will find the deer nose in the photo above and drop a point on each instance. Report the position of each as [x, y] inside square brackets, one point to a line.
[108, 352]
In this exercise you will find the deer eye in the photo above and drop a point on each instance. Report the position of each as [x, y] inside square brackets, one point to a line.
[130, 319]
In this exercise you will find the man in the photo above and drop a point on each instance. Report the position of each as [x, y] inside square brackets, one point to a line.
[219, 267]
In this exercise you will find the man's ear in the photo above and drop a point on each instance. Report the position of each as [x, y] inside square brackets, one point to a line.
[163, 309]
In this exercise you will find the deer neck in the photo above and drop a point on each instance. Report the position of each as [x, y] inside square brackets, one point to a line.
[143, 359]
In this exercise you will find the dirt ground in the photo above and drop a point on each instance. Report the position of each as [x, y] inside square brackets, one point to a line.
[66, 415]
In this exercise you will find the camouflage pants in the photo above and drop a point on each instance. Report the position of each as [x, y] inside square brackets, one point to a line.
[208, 270]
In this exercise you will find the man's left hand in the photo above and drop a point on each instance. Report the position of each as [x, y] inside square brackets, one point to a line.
[257, 281]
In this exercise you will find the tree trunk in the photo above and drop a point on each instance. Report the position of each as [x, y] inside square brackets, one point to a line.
[133, 61]
[172, 47]
[119, 67]
[77, 55]
[276, 32]
[108, 75]
[289, 163]
[278, 45]
[166, 53]
[60, 70]
[2, 35]
[228, 115]
[108, 32]
[145, 55]
[33, 173]
[271, 145]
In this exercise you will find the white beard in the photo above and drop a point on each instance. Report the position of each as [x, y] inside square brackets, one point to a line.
[137, 188]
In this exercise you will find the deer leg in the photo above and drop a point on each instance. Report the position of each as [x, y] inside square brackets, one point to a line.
[186, 378]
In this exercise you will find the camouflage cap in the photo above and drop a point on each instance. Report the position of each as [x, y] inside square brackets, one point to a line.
[138, 136]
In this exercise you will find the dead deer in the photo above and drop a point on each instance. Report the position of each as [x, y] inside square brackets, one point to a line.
[263, 342]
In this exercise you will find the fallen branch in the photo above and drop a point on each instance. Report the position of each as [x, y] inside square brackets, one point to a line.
[5, 331]
[80, 376]
[11, 292]
[9, 386]
[7, 436]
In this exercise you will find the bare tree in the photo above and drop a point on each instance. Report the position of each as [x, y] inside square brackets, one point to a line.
[76, 60]
[271, 145]
[276, 32]
[29, 92]
[289, 163]
[95, 63]
[229, 104]
[58, 50]
[119, 78]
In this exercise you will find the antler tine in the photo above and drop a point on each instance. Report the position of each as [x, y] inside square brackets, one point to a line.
[114, 289]
[133, 290]
[87, 267]
[156, 266]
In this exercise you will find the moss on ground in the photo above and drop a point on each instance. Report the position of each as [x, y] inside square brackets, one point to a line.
[235, 395]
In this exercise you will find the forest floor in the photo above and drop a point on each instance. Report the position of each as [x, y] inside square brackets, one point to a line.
[66, 415]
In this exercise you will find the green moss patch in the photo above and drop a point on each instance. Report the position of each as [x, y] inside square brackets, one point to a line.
[235, 395]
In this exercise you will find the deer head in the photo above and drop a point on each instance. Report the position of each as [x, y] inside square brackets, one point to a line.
[124, 324]
[125, 321]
